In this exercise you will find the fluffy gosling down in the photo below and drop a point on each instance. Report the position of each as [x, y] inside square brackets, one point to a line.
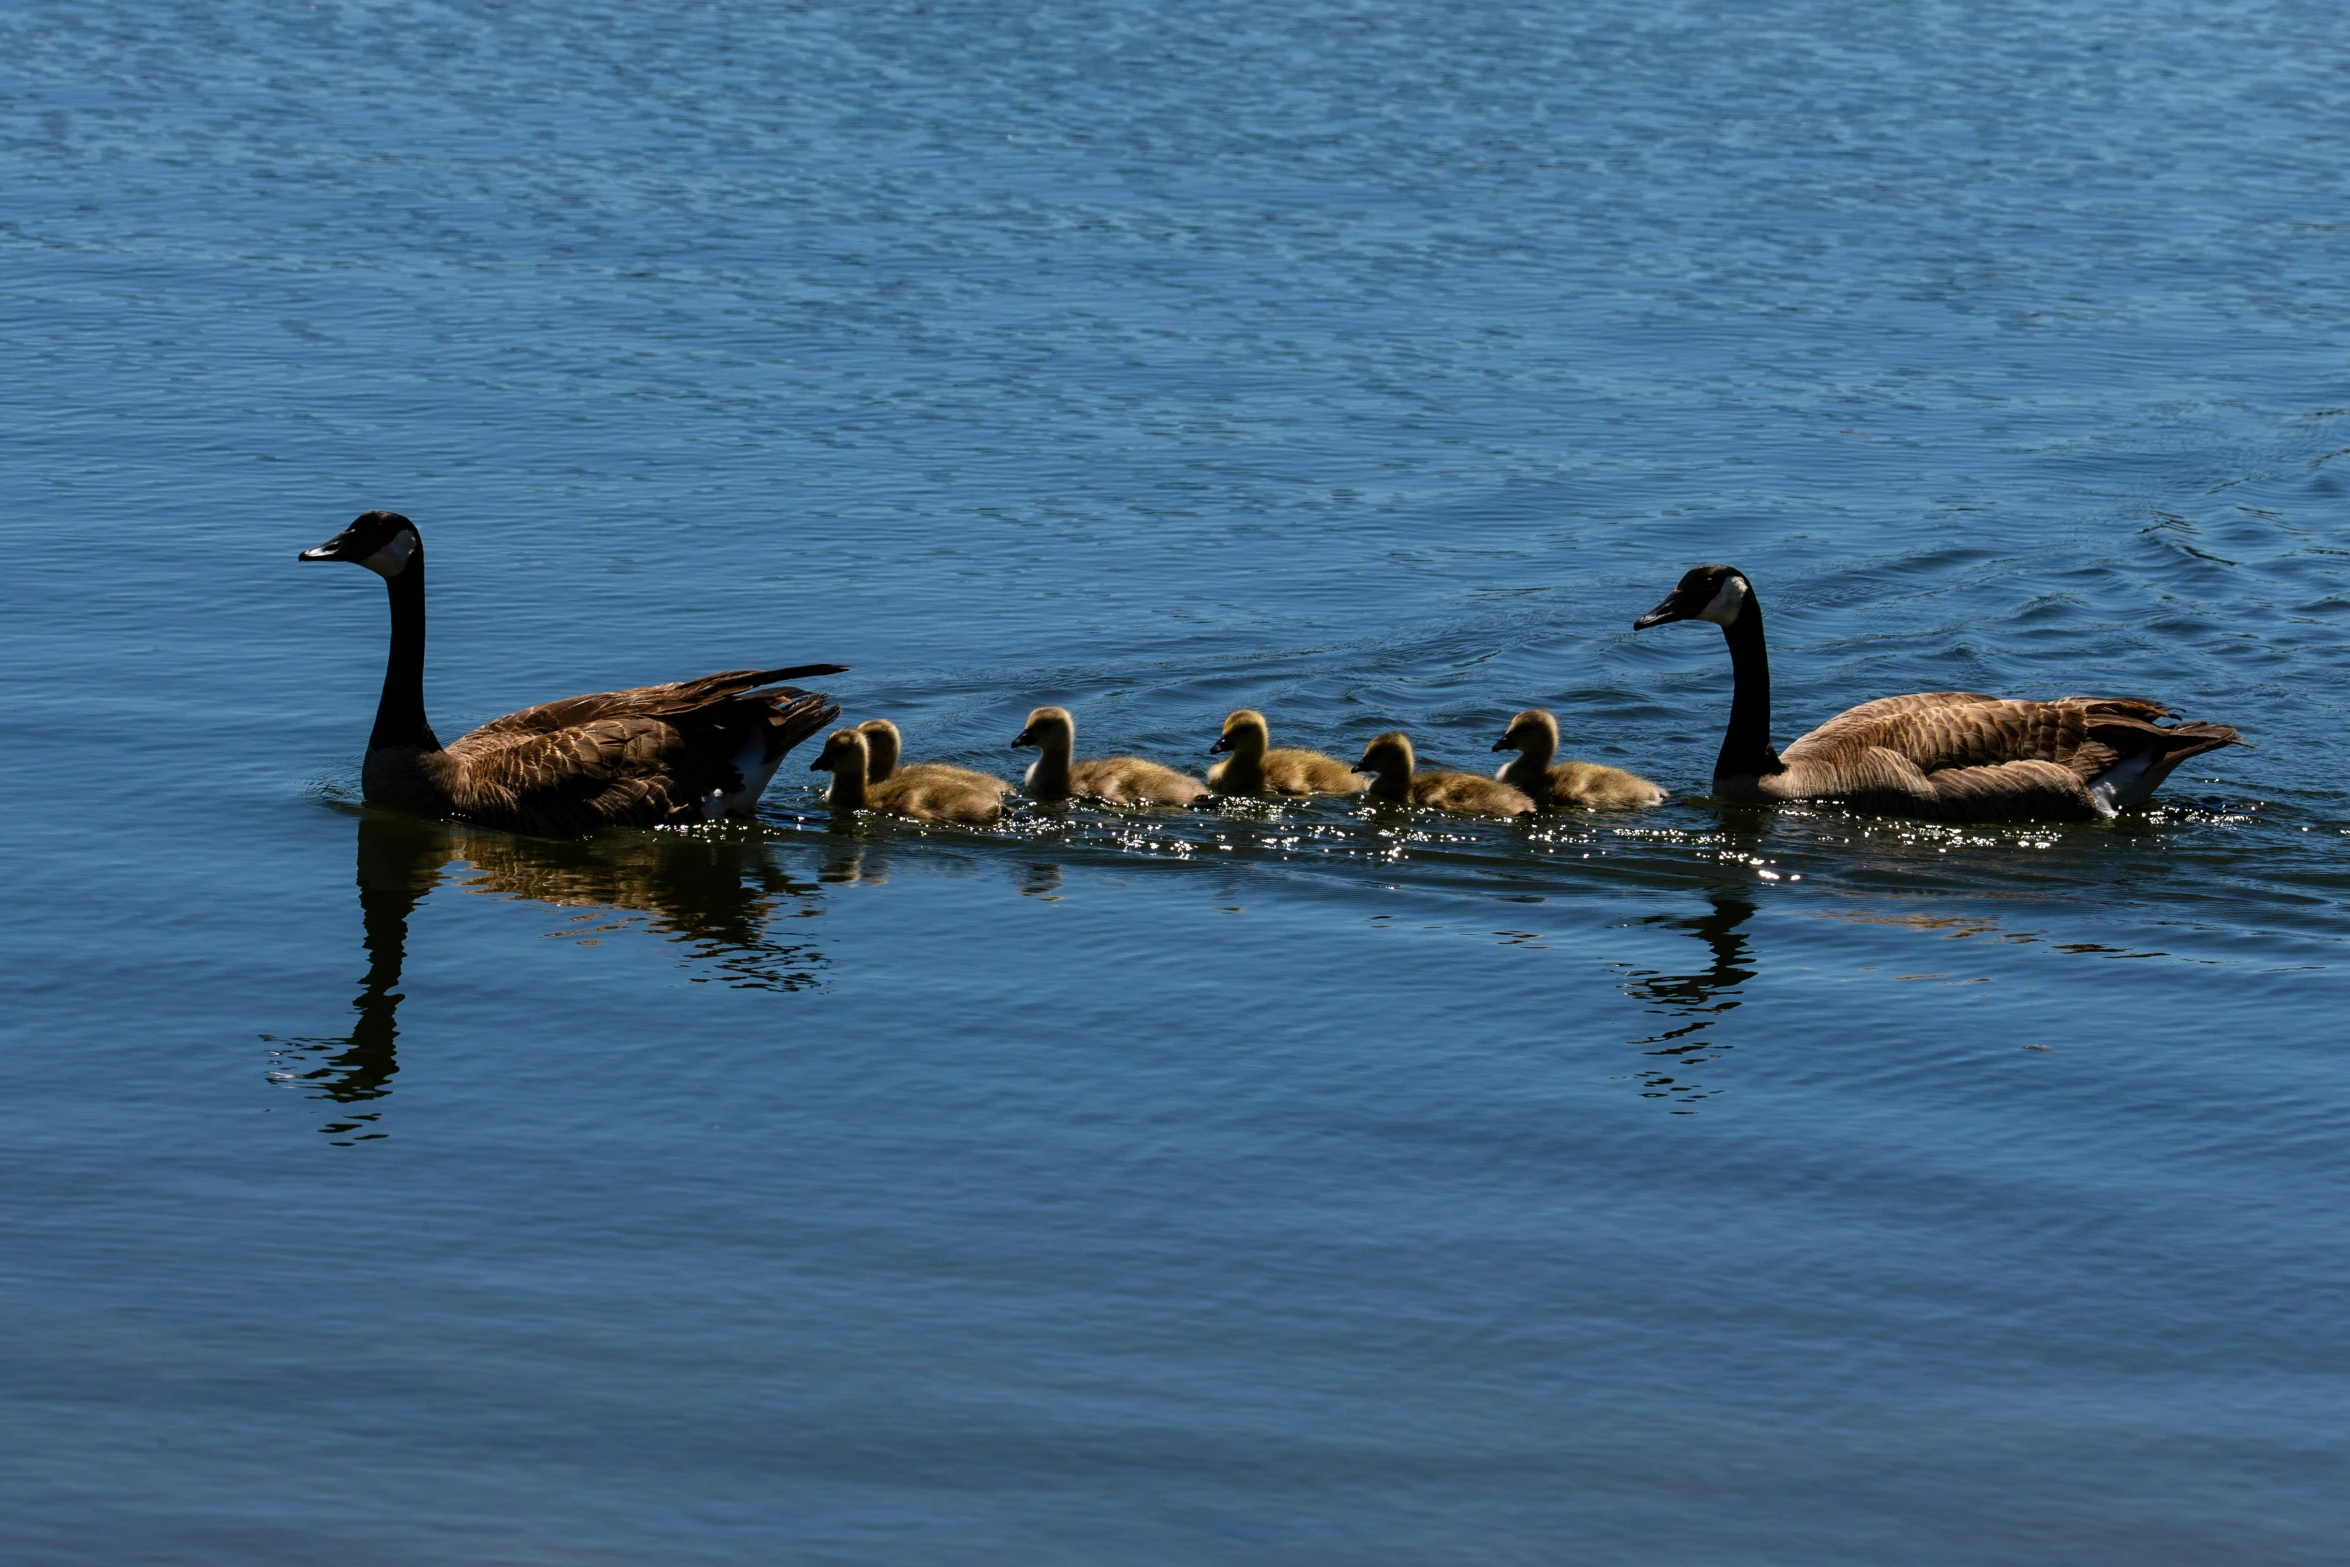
[1252, 769]
[884, 746]
[1534, 735]
[1122, 780]
[916, 797]
[1398, 781]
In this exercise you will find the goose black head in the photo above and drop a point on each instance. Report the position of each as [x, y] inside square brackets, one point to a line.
[382, 541]
[1716, 593]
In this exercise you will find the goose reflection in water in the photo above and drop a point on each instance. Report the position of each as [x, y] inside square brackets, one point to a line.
[714, 891]
[1697, 1001]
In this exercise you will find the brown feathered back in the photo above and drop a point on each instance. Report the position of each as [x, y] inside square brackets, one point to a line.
[689, 751]
[1962, 755]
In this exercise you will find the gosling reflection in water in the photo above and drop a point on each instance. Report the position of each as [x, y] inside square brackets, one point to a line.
[1698, 1001]
[715, 892]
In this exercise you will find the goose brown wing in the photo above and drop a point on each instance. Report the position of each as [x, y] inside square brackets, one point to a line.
[2101, 733]
[628, 758]
[1941, 730]
[1870, 722]
[2086, 736]
[2033, 789]
[569, 780]
[662, 701]
[1980, 758]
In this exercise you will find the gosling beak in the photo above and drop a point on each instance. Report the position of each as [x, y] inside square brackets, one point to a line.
[820, 765]
[1223, 744]
[1503, 744]
[1023, 738]
[1669, 610]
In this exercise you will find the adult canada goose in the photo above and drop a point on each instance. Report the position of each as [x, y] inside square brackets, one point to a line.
[1953, 754]
[689, 752]
[1252, 769]
[1534, 734]
[1398, 780]
[921, 797]
[1122, 780]
[884, 745]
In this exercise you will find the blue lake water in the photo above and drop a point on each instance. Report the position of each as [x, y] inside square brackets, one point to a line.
[1272, 1185]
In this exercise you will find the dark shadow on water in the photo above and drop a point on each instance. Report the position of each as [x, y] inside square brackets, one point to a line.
[1695, 1002]
[717, 894]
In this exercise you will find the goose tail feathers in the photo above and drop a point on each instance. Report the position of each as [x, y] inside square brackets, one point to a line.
[795, 717]
[2128, 731]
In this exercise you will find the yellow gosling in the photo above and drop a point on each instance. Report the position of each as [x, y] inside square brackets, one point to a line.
[1398, 780]
[1122, 780]
[1253, 769]
[847, 757]
[884, 745]
[1534, 735]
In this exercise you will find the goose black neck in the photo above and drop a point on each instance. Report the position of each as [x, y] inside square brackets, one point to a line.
[399, 715]
[1746, 745]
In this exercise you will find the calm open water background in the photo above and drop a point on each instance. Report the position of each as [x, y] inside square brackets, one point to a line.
[1278, 1186]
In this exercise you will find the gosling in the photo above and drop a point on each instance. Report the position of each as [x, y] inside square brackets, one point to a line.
[847, 757]
[1254, 770]
[1534, 735]
[884, 745]
[1122, 780]
[1399, 782]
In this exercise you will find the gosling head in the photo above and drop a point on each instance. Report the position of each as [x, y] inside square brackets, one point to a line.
[1245, 731]
[1532, 730]
[883, 746]
[385, 542]
[844, 752]
[1716, 593]
[1048, 727]
[1388, 755]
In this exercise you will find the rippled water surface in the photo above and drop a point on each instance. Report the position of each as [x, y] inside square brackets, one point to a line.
[1299, 1185]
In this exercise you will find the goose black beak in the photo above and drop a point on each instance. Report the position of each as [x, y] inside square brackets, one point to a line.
[332, 549]
[1223, 744]
[1670, 610]
[1023, 738]
[1503, 744]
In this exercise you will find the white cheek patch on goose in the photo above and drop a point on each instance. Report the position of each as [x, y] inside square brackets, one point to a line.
[393, 558]
[1728, 600]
